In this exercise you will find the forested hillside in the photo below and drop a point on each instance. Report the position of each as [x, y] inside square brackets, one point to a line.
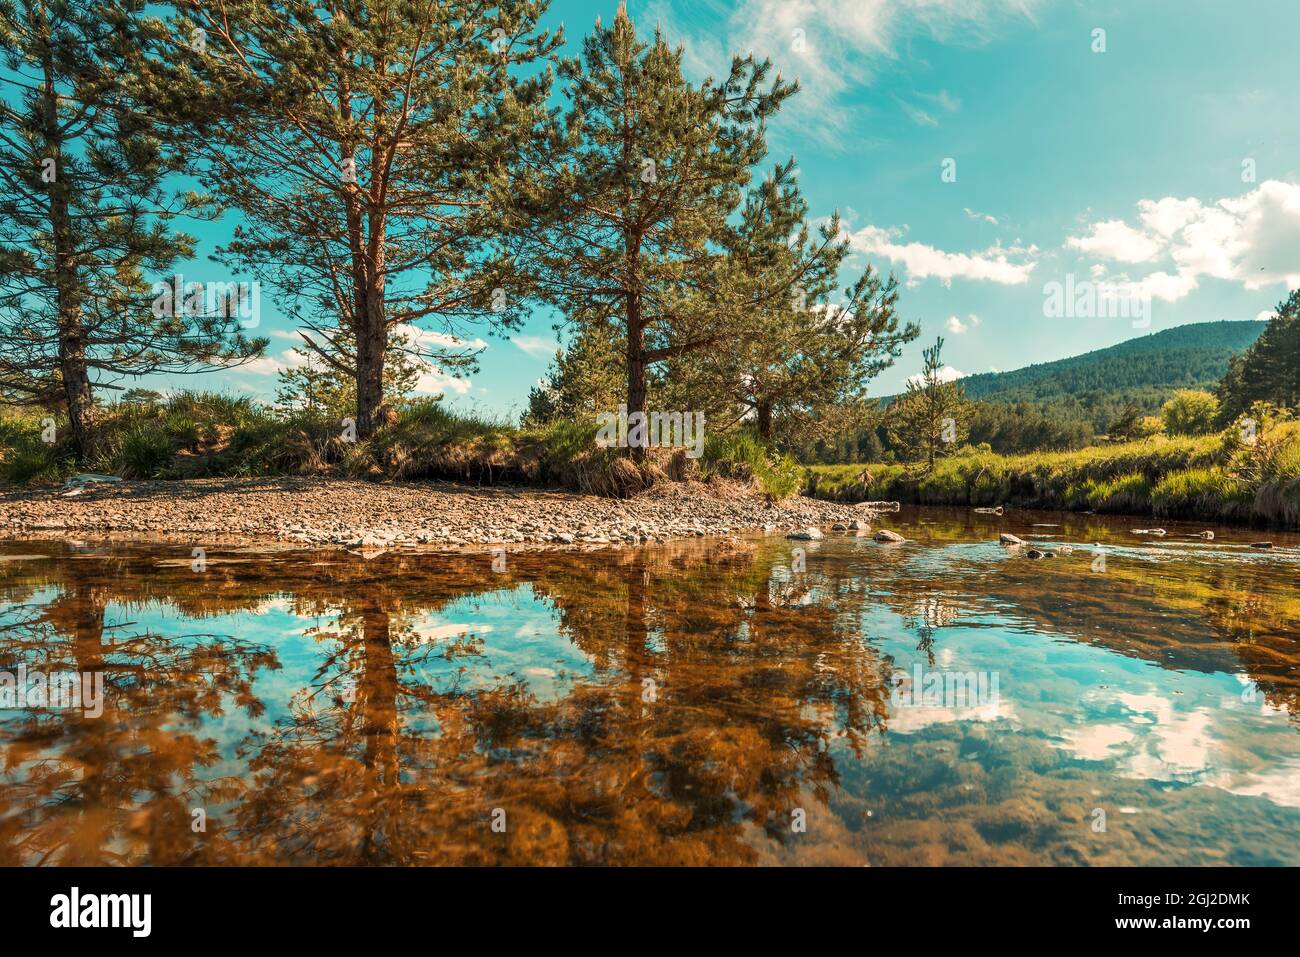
[1186, 357]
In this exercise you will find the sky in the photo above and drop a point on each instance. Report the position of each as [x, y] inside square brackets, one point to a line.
[982, 151]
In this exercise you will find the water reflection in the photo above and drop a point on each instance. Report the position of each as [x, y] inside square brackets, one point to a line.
[710, 702]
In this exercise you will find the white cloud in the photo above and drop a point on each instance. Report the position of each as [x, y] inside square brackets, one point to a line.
[433, 381]
[995, 264]
[271, 365]
[429, 340]
[1252, 239]
[956, 326]
[832, 46]
[946, 374]
[917, 115]
[539, 347]
[984, 216]
[1115, 239]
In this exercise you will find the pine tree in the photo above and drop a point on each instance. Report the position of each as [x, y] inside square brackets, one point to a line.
[801, 364]
[1269, 371]
[584, 379]
[86, 217]
[623, 212]
[930, 419]
[313, 386]
[366, 145]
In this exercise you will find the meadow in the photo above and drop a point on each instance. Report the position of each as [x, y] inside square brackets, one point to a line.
[1220, 477]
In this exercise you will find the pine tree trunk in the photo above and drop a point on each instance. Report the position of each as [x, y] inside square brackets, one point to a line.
[372, 337]
[72, 331]
[372, 343]
[765, 420]
[636, 391]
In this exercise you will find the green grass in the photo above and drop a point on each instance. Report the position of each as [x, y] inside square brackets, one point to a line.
[1211, 477]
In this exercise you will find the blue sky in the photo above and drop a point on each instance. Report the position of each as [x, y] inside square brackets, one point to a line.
[1170, 161]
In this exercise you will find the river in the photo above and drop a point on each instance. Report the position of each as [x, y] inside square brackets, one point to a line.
[750, 700]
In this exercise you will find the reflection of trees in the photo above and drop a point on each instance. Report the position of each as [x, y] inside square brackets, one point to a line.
[118, 787]
[400, 749]
[751, 688]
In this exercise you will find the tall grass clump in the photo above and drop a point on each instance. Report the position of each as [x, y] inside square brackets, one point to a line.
[744, 457]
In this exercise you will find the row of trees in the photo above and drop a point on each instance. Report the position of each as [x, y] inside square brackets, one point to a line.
[403, 179]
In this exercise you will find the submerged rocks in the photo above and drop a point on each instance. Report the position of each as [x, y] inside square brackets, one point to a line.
[857, 525]
[888, 537]
[810, 534]
[1036, 553]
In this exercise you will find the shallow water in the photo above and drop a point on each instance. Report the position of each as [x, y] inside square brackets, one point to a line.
[944, 701]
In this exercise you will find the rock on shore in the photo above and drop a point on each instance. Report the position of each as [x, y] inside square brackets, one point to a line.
[368, 515]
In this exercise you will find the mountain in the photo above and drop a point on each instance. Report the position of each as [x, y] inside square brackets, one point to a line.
[1147, 369]
[1068, 403]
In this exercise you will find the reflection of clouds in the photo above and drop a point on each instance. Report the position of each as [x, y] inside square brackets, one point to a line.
[432, 633]
[1176, 745]
[909, 719]
[1095, 742]
[1158, 743]
[1280, 785]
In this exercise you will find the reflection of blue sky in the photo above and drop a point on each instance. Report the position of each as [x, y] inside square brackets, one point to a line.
[1131, 717]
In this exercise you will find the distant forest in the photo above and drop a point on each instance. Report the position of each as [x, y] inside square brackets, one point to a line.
[1068, 403]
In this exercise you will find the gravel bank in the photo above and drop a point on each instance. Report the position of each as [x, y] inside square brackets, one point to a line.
[349, 514]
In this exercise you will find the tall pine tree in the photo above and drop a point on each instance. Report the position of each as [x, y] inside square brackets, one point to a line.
[623, 212]
[930, 419]
[366, 144]
[1269, 371]
[86, 218]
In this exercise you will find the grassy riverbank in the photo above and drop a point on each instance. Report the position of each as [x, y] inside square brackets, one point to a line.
[206, 435]
[1214, 478]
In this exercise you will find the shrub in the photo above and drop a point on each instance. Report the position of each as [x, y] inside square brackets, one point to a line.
[1190, 412]
[145, 452]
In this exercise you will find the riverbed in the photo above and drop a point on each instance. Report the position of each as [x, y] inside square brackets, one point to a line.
[742, 699]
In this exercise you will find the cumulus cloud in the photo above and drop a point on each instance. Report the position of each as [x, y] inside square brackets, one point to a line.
[1007, 265]
[433, 381]
[1115, 239]
[946, 374]
[1252, 239]
[272, 365]
[956, 326]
